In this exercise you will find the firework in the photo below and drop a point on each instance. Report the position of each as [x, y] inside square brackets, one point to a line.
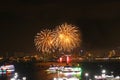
[44, 41]
[67, 37]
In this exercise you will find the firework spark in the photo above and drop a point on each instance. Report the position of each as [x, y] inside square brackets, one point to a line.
[44, 41]
[67, 37]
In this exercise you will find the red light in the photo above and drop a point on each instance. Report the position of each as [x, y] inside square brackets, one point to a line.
[60, 59]
[68, 59]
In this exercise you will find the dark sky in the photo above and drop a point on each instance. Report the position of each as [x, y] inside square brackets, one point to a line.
[20, 20]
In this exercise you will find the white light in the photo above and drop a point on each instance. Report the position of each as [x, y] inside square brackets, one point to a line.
[24, 78]
[103, 76]
[54, 79]
[12, 79]
[64, 78]
[103, 71]
[11, 70]
[95, 77]
[117, 77]
[16, 73]
[68, 73]
[86, 74]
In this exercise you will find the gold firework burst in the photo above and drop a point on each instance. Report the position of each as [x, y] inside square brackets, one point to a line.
[44, 41]
[67, 37]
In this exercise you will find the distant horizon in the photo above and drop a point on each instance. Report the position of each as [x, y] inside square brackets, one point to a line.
[84, 49]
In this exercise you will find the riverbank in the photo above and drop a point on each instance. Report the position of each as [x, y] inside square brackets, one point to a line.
[47, 64]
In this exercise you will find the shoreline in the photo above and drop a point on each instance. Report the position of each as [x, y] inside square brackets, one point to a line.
[47, 64]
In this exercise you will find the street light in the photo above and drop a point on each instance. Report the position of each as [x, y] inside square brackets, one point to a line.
[86, 75]
[103, 73]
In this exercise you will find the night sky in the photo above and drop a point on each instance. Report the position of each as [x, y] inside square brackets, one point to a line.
[20, 20]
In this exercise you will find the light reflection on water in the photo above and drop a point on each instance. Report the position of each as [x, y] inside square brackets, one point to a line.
[32, 72]
[43, 75]
[67, 73]
[7, 72]
[11, 76]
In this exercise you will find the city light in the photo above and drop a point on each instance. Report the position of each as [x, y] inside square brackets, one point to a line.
[103, 71]
[86, 74]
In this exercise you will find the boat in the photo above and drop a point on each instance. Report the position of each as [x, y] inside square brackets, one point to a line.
[70, 71]
[8, 68]
[65, 70]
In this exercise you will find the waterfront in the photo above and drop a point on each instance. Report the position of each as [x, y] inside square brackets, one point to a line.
[38, 72]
